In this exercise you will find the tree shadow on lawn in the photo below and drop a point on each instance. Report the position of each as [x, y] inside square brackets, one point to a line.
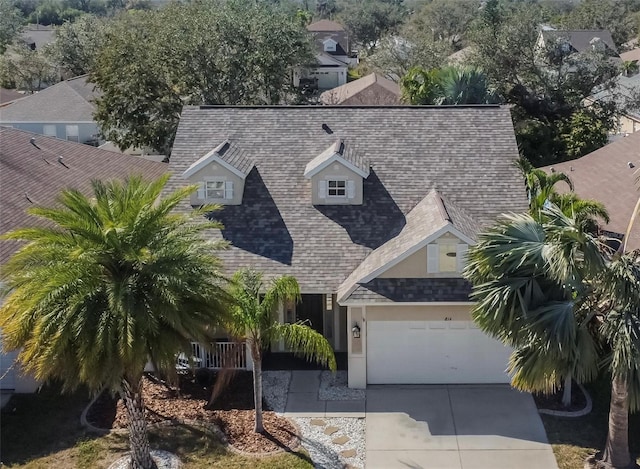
[39, 424]
[590, 432]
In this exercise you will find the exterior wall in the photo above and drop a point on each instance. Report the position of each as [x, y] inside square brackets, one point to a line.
[217, 171]
[357, 356]
[415, 266]
[336, 170]
[627, 125]
[87, 131]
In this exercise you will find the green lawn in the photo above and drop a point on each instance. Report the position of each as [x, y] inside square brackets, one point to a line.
[575, 439]
[43, 430]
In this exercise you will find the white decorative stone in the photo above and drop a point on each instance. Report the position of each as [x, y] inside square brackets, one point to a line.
[163, 459]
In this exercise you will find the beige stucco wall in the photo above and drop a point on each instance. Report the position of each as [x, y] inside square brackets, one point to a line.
[628, 125]
[357, 359]
[415, 266]
[217, 171]
[339, 171]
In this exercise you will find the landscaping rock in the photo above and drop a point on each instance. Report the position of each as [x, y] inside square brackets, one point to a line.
[163, 459]
[318, 422]
[348, 453]
[341, 440]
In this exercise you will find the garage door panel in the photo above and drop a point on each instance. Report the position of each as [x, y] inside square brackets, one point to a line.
[443, 352]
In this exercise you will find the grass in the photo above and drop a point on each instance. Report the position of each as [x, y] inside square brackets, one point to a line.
[43, 430]
[575, 439]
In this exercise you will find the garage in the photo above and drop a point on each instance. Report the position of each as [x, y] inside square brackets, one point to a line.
[327, 80]
[433, 352]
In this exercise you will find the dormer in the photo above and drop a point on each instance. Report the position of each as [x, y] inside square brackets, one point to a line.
[337, 175]
[329, 45]
[220, 175]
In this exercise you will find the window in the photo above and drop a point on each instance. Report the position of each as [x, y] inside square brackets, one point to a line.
[446, 257]
[73, 133]
[214, 189]
[49, 130]
[337, 188]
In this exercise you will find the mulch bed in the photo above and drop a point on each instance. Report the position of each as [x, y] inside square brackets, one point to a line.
[232, 410]
[554, 401]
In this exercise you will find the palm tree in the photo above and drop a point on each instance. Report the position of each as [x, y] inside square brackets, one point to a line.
[465, 86]
[107, 283]
[532, 284]
[254, 319]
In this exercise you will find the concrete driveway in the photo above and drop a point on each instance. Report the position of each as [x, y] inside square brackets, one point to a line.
[454, 427]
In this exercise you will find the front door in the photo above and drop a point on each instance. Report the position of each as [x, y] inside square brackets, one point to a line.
[310, 309]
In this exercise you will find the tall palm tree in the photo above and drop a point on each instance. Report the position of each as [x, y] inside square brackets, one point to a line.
[465, 86]
[254, 319]
[108, 282]
[532, 284]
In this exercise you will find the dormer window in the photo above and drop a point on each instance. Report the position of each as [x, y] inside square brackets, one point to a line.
[337, 175]
[220, 175]
[329, 45]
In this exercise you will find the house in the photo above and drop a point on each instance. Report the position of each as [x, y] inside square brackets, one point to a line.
[626, 95]
[33, 170]
[38, 36]
[372, 209]
[64, 110]
[8, 96]
[632, 55]
[609, 175]
[577, 40]
[372, 89]
[333, 57]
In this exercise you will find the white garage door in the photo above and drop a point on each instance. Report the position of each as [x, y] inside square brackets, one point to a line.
[327, 80]
[433, 352]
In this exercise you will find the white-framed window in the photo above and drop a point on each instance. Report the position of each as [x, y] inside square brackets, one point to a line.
[50, 130]
[215, 189]
[73, 133]
[446, 257]
[336, 188]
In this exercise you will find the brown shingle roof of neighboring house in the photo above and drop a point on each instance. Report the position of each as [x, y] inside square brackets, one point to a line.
[325, 25]
[67, 101]
[33, 176]
[371, 89]
[631, 55]
[9, 96]
[466, 153]
[605, 175]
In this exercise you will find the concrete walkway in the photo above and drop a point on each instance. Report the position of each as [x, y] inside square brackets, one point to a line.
[303, 400]
[454, 427]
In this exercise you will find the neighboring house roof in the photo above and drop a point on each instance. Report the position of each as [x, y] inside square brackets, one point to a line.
[625, 94]
[9, 96]
[465, 152]
[227, 154]
[429, 219]
[67, 101]
[325, 26]
[605, 175]
[37, 36]
[581, 39]
[325, 60]
[631, 55]
[31, 176]
[371, 89]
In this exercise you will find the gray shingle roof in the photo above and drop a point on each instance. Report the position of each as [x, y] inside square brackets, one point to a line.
[338, 150]
[229, 152]
[466, 153]
[580, 39]
[67, 101]
[30, 176]
[419, 290]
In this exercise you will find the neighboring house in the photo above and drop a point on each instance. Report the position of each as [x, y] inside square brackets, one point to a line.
[609, 176]
[577, 40]
[8, 96]
[333, 57]
[372, 89]
[461, 57]
[372, 210]
[632, 55]
[38, 36]
[33, 171]
[64, 110]
[626, 95]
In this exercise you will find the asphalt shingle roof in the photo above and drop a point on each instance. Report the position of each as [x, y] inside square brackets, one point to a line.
[30, 176]
[371, 89]
[67, 101]
[465, 152]
[419, 290]
[580, 39]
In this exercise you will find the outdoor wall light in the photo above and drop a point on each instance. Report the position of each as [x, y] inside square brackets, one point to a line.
[355, 330]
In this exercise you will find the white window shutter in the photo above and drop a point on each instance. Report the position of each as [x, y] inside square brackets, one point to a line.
[322, 189]
[351, 189]
[201, 193]
[461, 255]
[433, 258]
[228, 190]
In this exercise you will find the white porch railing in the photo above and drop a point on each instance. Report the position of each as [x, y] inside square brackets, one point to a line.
[218, 355]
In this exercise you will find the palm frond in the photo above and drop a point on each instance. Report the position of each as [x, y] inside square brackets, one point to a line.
[307, 343]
